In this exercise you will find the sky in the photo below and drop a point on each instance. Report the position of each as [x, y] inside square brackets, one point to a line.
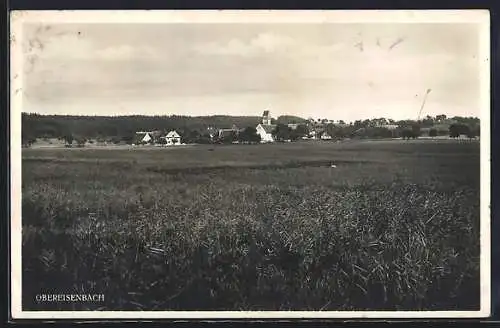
[336, 71]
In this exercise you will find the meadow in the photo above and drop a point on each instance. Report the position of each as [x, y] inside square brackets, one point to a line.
[393, 226]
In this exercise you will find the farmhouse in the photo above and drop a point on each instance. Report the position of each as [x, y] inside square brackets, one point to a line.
[172, 138]
[230, 134]
[389, 126]
[265, 129]
[144, 137]
[326, 136]
[313, 134]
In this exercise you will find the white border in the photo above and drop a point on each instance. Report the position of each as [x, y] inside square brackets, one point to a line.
[17, 19]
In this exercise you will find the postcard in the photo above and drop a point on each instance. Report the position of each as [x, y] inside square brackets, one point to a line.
[250, 164]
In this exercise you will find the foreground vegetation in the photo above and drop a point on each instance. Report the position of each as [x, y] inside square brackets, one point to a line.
[394, 225]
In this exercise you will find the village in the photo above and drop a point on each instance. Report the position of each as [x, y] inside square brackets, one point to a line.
[265, 132]
[70, 132]
[268, 131]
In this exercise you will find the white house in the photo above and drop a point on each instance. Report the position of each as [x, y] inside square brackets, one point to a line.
[312, 135]
[265, 131]
[173, 138]
[326, 136]
[144, 137]
[389, 126]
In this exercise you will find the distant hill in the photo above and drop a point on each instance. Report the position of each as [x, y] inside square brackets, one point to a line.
[287, 119]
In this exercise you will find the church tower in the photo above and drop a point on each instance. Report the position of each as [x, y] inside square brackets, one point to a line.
[266, 118]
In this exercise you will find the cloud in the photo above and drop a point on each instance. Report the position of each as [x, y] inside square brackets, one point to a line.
[64, 46]
[232, 47]
[261, 44]
[75, 46]
[127, 52]
[272, 42]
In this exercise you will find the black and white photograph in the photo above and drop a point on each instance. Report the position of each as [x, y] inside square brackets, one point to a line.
[250, 164]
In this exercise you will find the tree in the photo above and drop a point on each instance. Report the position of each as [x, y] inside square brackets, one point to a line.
[128, 138]
[471, 134]
[428, 121]
[27, 138]
[406, 134]
[358, 124]
[458, 129]
[281, 132]
[204, 139]
[410, 133]
[379, 121]
[115, 140]
[380, 132]
[302, 130]
[477, 130]
[80, 141]
[294, 136]
[433, 133]
[454, 130]
[249, 134]
[192, 137]
[68, 138]
[229, 137]
[415, 129]
[336, 131]
[440, 118]
[162, 141]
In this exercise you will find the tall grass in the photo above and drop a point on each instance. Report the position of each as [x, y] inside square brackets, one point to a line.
[399, 229]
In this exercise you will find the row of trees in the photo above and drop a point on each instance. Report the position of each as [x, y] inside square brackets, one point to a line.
[247, 135]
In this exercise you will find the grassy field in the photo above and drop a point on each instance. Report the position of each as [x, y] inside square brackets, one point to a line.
[395, 225]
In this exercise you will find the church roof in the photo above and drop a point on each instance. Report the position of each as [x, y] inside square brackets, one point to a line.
[269, 128]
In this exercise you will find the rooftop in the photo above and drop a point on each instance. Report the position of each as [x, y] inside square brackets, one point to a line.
[269, 128]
